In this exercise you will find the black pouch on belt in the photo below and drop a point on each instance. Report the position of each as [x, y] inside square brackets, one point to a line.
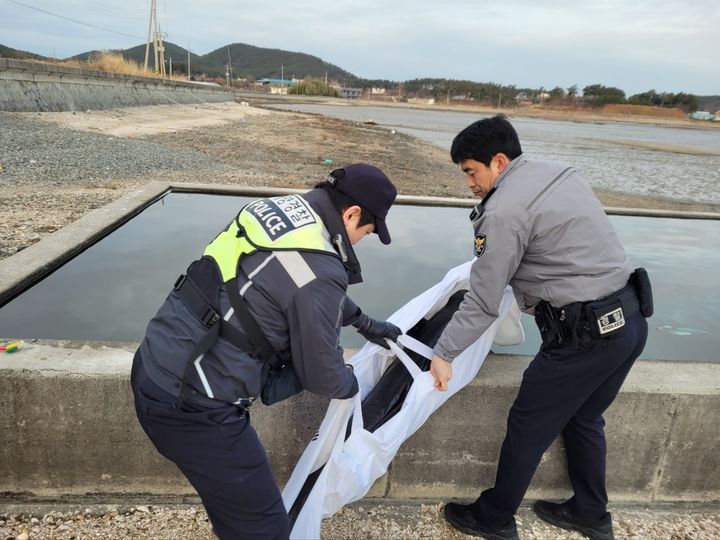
[641, 283]
[544, 319]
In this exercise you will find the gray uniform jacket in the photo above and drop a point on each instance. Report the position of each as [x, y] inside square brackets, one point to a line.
[544, 232]
[299, 301]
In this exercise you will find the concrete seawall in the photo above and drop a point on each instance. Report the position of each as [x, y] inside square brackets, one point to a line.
[69, 428]
[32, 86]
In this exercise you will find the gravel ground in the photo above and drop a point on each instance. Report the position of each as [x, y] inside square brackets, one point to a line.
[365, 519]
[53, 175]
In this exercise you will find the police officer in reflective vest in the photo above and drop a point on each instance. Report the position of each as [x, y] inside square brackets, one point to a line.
[258, 315]
[540, 228]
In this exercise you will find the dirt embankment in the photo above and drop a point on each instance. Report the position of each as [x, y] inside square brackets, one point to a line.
[58, 166]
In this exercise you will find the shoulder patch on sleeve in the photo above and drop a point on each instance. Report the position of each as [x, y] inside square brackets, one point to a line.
[480, 242]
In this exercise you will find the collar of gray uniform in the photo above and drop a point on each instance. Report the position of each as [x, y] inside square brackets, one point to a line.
[514, 164]
[320, 201]
[479, 209]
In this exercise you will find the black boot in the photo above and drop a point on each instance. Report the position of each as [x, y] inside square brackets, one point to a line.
[562, 515]
[461, 517]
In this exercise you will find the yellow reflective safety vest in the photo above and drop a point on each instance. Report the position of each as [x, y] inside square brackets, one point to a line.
[273, 224]
[277, 223]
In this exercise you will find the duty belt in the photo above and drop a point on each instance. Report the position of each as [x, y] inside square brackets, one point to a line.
[586, 321]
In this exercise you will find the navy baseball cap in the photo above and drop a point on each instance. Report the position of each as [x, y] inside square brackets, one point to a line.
[370, 188]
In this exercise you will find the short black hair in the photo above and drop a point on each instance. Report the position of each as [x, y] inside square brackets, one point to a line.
[483, 139]
[342, 202]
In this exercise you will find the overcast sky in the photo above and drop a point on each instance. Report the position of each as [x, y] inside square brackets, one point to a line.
[635, 45]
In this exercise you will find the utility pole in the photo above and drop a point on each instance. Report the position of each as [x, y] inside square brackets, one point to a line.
[228, 68]
[227, 72]
[147, 44]
[188, 61]
[158, 47]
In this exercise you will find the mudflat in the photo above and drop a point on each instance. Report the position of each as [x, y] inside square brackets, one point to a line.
[56, 167]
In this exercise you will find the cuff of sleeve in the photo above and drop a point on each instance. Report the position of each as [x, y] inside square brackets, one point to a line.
[354, 390]
[444, 354]
[353, 318]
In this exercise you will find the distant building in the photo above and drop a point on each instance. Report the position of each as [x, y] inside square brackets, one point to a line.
[278, 82]
[702, 115]
[278, 86]
[377, 90]
[423, 101]
[350, 93]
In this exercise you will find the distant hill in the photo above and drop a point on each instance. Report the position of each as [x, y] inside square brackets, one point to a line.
[178, 54]
[245, 61]
[9, 52]
[258, 62]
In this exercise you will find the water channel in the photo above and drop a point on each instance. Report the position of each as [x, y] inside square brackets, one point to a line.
[111, 290]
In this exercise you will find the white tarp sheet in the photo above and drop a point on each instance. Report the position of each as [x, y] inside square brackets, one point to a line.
[352, 465]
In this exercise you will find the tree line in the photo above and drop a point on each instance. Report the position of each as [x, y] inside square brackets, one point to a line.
[594, 95]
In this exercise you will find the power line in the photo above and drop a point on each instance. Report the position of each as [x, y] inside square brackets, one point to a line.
[73, 20]
[109, 11]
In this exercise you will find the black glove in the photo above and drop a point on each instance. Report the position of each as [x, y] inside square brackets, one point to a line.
[376, 331]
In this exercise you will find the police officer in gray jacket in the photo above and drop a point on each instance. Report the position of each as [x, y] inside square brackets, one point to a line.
[258, 315]
[540, 228]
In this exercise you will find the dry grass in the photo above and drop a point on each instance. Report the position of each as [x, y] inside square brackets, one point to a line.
[644, 110]
[112, 62]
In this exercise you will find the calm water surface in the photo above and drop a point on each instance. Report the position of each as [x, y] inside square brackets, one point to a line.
[600, 150]
[111, 290]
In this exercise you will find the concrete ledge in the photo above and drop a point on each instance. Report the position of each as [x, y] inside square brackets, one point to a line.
[31, 86]
[69, 429]
[34, 262]
[27, 266]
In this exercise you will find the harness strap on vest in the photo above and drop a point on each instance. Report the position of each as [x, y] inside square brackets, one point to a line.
[253, 340]
[195, 301]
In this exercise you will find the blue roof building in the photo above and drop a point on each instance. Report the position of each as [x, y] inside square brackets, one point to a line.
[278, 82]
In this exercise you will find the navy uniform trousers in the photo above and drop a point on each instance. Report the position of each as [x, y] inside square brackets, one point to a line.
[220, 454]
[563, 390]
